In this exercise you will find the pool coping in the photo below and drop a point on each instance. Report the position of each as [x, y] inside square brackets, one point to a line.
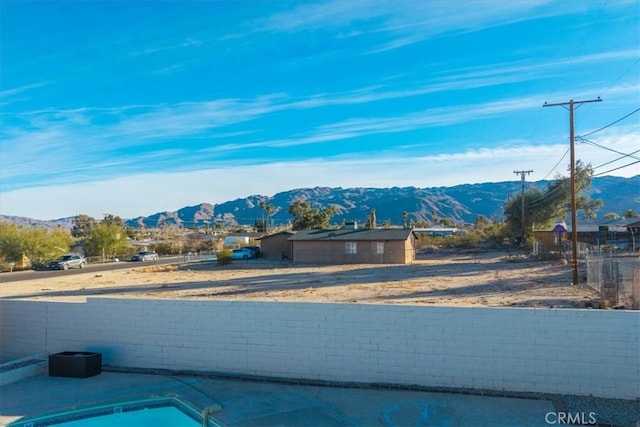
[93, 410]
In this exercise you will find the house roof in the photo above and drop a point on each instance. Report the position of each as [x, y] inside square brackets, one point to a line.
[279, 233]
[351, 235]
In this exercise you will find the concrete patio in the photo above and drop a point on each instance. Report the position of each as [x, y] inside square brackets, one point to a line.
[253, 403]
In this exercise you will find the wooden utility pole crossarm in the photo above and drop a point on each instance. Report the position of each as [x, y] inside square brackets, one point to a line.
[574, 217]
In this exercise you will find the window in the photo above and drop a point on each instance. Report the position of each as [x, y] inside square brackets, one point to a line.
[350, 248]
[378, 248]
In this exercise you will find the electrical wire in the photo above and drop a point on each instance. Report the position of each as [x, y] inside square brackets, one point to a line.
[554, 168]
[610, 124]
[615, 160]
[546, 195]
[595, 144]
[621, 167]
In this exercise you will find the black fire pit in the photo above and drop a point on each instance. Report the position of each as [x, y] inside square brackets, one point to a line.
[76, 364]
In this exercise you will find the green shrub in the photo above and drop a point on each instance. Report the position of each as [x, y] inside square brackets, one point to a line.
[224, 256]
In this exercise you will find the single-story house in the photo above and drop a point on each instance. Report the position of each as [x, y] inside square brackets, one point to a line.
[353, 246]
[277, 245]
[621, 232]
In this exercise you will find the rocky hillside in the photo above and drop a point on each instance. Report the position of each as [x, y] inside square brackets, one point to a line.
[462, 203]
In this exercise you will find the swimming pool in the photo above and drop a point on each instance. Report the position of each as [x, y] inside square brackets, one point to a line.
[156, 412]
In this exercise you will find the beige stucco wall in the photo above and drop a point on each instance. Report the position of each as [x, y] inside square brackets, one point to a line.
[274, 246]
[333, 252]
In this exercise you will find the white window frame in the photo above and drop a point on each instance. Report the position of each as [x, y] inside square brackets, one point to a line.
[351, 248]
[378, 248]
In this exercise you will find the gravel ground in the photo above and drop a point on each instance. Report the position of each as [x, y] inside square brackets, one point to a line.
[607, 412]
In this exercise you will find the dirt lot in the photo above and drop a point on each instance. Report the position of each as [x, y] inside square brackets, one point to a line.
[492, 279]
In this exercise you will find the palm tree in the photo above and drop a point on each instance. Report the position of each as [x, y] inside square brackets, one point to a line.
[263, 206]
[270, 210]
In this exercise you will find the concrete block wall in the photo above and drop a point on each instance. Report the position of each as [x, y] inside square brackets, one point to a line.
[588, 352]
[22, 329]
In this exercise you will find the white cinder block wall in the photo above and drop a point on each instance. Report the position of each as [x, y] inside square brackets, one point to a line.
[589, 352]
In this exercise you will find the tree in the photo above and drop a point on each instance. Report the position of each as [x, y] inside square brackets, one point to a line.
[41, 246]
[544, 208]
[446, 222]
[83, 225]
[306, 218]
[270, 210]
[372, 220]
[263, 226]
[10, 244]
[107, 238]
[113, 219]
[481, 222]
[630, 213]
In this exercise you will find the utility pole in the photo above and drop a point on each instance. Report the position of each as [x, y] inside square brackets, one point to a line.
[574, 216]
[522, 177]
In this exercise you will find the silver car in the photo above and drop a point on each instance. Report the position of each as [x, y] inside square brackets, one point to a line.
[145, 256]
[68, 261]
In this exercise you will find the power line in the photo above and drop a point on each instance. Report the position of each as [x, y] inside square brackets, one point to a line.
[554, 168]
[610, 124]
[595, 144]
[547, 195]
[621, 167]
[615, 160]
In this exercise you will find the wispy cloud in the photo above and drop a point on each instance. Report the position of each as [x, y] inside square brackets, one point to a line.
[404, 23]
[81, 131]
[10, 92]
[144, 194]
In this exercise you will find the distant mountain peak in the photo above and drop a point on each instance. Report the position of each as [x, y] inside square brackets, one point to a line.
[461, 203]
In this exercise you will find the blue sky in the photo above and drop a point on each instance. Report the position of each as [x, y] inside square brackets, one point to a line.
[131, 108]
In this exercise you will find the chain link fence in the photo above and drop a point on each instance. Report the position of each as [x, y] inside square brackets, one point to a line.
[617, 279]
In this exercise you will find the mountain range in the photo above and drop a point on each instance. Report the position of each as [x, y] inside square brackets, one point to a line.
[461, 203]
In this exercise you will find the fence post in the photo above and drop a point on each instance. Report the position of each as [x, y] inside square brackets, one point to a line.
[617, 276]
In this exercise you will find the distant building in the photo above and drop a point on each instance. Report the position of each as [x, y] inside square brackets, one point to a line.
[436, 231]
[240, 239]
[353, 246]
[623, 233]
[236, 240]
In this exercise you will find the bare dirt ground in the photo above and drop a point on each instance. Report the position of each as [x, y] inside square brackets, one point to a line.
[460, 278]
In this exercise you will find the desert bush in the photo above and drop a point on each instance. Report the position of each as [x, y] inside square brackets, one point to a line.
[224, 256]
[469, 240]
[163, 248]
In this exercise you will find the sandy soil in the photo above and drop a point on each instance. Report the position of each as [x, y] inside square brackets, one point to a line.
[492, 279]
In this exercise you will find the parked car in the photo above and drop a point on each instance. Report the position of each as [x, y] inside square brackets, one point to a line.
[242, 253]
[145, 256]
[68, 261]
[254, 249]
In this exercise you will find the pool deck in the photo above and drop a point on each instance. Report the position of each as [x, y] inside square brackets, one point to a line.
[263, 403]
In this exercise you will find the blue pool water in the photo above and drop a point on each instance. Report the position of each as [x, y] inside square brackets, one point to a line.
[156, 412]
[157, 417]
